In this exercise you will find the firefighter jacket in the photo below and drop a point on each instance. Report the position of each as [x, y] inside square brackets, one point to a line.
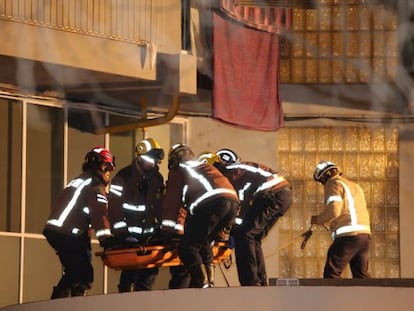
[82, 205]
[135, 200]
[250, 180]
[346, 209]
[190, 186]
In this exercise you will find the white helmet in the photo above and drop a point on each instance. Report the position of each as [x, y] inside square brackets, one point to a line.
[228, 156]
[178, 154]
[325, 170]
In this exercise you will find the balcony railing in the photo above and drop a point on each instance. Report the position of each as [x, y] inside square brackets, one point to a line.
[138, 21]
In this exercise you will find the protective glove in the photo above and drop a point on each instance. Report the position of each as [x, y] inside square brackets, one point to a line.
[306, 236]
[170, 235]
[131, 239]
[223, 235]
[108, 242]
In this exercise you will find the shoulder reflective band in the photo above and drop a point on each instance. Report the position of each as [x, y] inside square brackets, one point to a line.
[270, 183]
[79, 184]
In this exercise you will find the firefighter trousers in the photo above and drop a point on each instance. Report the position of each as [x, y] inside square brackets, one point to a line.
[258, 219]
[202, 228]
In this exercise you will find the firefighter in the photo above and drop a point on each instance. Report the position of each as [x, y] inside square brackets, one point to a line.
[173, 230]
[82, 205]
[265, 196]
[211, 203]
[347, 215]
[135, 204]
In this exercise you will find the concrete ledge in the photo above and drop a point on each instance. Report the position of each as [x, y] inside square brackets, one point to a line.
[269, 298]
[342, 282]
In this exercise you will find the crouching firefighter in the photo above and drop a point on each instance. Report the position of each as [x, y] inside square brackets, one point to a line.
[211, 202]
[265, 196]
[80, 207]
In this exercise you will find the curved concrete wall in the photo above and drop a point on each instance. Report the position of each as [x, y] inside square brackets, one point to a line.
[283, 298]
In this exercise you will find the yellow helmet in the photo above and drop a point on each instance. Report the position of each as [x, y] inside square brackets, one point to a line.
[151, 148]
[208, 157]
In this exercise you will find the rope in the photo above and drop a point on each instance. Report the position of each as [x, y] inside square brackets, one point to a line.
[286, 245]
[305, 235]
[224, 275]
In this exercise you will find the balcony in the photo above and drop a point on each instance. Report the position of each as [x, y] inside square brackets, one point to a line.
[110, 54]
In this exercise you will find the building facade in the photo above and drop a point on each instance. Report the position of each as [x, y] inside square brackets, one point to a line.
[344, 93]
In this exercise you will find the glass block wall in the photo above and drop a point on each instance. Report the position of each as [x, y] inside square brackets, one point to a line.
[350, 41]
[367, 155]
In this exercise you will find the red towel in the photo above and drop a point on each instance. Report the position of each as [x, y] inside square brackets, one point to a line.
[246, 75]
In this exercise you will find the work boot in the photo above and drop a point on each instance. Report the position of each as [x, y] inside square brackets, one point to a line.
[126, 287]
[79, 290]
[210, 274]
[180, 277]
[199, 278]
[60, 293]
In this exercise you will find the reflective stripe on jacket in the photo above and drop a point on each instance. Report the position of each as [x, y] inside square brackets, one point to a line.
[250, 180]
[192, 185]
[135, 199]
[346, 208]
[81, 205]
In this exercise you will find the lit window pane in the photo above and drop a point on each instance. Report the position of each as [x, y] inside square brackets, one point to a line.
[325, 18]
[311, 71]
[44, 178]
[352, 17]
[325, 71]
[338, 71]
[297, 74]
[10, 165]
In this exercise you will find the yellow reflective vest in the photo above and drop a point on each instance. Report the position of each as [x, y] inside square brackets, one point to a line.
[346, 208]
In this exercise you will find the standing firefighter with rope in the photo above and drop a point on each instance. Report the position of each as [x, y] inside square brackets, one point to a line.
[347, 215]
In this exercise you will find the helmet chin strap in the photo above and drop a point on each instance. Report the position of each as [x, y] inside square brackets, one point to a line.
[327, 176]
[148, 159]
[101, 174]
[324, 179]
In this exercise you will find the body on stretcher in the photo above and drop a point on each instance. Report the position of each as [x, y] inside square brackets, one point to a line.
[151, 256]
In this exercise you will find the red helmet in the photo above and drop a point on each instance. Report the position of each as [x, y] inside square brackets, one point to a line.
[98, 156]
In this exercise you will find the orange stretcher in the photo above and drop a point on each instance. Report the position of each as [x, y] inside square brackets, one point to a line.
[151, 256]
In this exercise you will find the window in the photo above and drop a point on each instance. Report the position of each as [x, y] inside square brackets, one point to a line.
[44, 163]
[340, 42]
[39, 153]
[10, 164]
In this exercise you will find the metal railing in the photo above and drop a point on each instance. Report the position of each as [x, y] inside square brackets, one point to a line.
[131, 20]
